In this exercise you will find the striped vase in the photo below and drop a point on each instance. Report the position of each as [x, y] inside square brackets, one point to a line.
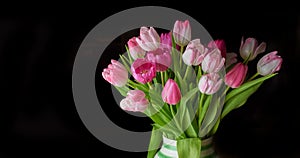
[169, 150]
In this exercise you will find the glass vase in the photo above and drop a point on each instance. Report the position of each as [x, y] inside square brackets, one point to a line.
[169, 149]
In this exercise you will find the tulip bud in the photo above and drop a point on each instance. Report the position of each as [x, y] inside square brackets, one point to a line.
[116, 74]
[209, 83]
[171, 93]
[213, 61]
[230, 59]
[220, 44]
[135, 101]
[250, 49]
[149, 39]
[194, 53]
[135, 50]
[236, 76]
[161, 57]
[182, 32]
[269, 64]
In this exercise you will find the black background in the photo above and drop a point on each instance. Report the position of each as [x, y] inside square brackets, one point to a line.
[38, 45]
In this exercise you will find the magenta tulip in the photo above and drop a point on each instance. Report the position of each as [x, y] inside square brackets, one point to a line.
[143, 70]
[213, 61]
[236, 76]
[269, 64]
[250, 49]
[161, 57]
[210, 83]
[149, 40]
[171, 93]
[220, 44]
[116, 74]
[135, 50]
[194, 53]
[182, 32]
[135, 101]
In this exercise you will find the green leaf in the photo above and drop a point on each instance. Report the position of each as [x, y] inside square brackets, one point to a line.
[123, 90]
[125, 63]
[155, 97]
[246, 86]
[212, 114]
[155, 142]
[184, 116]
[190, 131]
[189, 148]
[173, 133]
[129, 55]
[181, 83]
[239, 99]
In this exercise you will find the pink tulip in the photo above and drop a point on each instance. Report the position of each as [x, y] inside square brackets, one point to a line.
[182, 32]
[209, 83]
[149, 40]
[116, 74]
[220, 44]
[213, 61]
[194, 53]
[250, 49]
[269, 64]
[166, 40]
[161, 57]
[231, 58]
[143, 70]
[171, 93]
[135, 101]
[236, 76]
[135, 50]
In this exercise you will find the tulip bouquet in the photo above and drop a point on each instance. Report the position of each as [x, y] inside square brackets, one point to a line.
[184, 86]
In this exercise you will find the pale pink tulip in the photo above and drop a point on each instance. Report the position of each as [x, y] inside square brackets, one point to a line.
[194, 53]
[250, 49]
[236, 76]
[213, 61]
[171, 93]
[135, 101]
[231, 58]
[182, 32]
[161, 57]
[269, 64]
[135, 50]
[220, 44]
[143, 70]
[116, 74]
[210, 83]
[149, 39]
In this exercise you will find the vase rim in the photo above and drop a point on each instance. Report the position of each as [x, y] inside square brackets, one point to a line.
[206, 140]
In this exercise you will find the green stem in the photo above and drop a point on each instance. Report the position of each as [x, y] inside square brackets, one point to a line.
[162, 78]
[173, 116]
[204, 109]
[180, 56]
[181, 49]
[226, 90]
[255, 75]
[200, 109]
[199, 73]
[187, 72]
[216, 126]
[128, 84]
[149, 85]
[139, 86]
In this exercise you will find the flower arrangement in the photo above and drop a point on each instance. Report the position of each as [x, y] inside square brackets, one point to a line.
[184, 86]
